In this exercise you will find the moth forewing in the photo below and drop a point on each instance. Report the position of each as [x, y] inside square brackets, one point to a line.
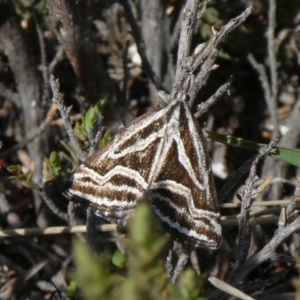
[162, 157]
[182, 193]
[115, 178]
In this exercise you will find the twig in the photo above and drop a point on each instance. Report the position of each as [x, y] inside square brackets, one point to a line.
[176, 31]
[204, 106]
[140, 43]
[244, 238]
[8, 93]
[294, 201]
[238, 274]
[266, 252]
[43, 67]
[55, 230]
[226, 222]
[289, 140]
[188, 80]
[56, 59]
[57, 98]
[126, 73]
[260, 69]
[188, 22]
[95, 134]
[258, 203]
[32, 135]
[222, 285]
[94, 143]
[207, 57]
[271, 51]
[232, 222]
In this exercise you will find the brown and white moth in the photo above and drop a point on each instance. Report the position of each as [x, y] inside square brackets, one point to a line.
[161, 157]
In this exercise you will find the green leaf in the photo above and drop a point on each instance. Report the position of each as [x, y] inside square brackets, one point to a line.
[288, 155]
[18, 174]
[71, 151]
[32, 185]
[80, 132]
[144, 270]
[147, 242]
[90, 118]
[205, 31]
[188, 286]
[211, 16]
[52, 166]
[105, 139]
[71, 289]
[15, 169]
[94, 274]
[119, 259]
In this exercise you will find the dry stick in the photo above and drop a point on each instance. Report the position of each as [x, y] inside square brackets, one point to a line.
[59, 55]
[258, 203]
[273, 66]
[204, 106]
[244, 237]
[56, 230]
[183, 76]
[57, 98]
[126, 72]
[226, 222]
[232, 222]
[176, 32]
[32, 135]
[157, 40]
[140, 43]
[289, 140]
[7, 93]
[94, 141]
[44, 68]
[186, 81]
[221, 285]
[268, 211]
[294, 201]
[238, 274]
[209, 54]
[202, 7]
[262, 285]
[266, 253]
[173, 41]
[260, 69]
[244, 222]
[188, 22]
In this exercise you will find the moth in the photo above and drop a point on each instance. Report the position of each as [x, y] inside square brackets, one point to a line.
[161, 157]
